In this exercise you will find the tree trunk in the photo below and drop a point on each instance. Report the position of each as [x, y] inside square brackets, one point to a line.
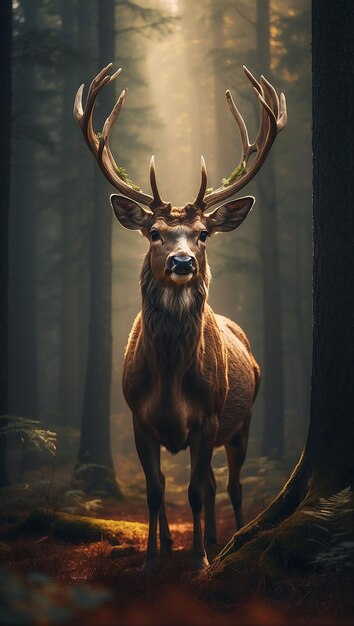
[272, 373]
[5, 167]
[224, 152]
[70, 391]
[301, 526]
[23, 244]
[95, 465]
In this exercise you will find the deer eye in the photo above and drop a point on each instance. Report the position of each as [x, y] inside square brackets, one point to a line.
[155, 235]
[203, 236]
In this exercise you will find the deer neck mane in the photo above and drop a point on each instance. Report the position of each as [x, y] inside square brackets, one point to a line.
[172, 318]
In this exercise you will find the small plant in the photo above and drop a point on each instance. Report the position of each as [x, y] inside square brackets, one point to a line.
[28, 431]
[334, 520]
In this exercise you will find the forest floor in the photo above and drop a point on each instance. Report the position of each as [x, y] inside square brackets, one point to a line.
[46, 580]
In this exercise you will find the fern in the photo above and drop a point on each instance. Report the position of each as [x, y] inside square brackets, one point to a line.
[335, 521]
[30, 431]
[50, 494]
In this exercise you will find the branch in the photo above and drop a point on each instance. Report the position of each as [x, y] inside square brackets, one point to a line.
[244, 16]
[137, 29]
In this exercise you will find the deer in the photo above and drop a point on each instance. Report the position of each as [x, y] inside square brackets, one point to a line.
[189, 378]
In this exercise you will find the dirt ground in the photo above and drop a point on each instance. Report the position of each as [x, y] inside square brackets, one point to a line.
[46, 580]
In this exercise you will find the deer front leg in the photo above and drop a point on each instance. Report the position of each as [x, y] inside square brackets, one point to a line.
[149, 454]
[201, 447]
[209, 508]
[165, 535]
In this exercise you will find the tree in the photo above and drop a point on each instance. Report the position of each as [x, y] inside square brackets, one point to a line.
[23, 234]
[252, 45]
[95, 464]
[75, 208]
[294, 188]
[273, 429]
[288, 535]
[5, 164]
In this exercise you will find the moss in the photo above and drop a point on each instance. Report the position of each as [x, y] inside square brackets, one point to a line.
[235, 174]
[243, 560]
[294, 546]
[97, 479]
[123, 174]
[78, 529]
[291, 547]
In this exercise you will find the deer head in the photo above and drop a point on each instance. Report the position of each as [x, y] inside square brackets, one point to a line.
[178, 236]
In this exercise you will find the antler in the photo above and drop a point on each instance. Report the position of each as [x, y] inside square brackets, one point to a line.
[99, 142]
[273, 120]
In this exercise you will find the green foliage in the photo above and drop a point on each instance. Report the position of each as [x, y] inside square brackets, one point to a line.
[81, 529]
[16, 499]
[235, 174]
[29, 431]
[122, 173]
[334, 519]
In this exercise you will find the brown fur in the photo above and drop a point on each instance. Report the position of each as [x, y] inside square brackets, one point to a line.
[178, 369]
[189, 376]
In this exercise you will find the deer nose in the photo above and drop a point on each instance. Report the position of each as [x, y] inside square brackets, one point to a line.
[181, 264]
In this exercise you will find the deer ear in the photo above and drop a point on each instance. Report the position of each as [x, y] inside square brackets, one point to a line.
[230, 215]
[130, 214]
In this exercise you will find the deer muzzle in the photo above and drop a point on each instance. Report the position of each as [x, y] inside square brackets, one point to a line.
[181, 265]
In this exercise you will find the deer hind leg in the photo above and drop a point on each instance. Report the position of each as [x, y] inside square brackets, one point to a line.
[149, 454]
[165, 535]
[236, 451]
[209, 506]
[201, 448]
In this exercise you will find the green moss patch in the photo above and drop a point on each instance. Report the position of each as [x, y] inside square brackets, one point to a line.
[78, 529]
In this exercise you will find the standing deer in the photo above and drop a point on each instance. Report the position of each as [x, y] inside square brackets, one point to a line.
[189, 378]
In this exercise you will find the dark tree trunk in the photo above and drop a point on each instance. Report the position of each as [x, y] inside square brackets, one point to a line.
[95, 465]
[332, 400]
[288, 533]
[23, 245]
[224, 152]
[272, 373]
[193, 60]
[5, 167]
[70, 388]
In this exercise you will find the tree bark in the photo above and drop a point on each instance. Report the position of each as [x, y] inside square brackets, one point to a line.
[5, 169]
[23, 243]
[272, 373]
[287, 535]
[224, 152]
[70, 387]
[95, 465]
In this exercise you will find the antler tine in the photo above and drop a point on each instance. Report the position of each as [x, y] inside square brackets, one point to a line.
[99, 143]
[246, 146]
[157, 202]
[273, 96]
[273, 118]
[85, 120]
[199, 201]
[263, 124]
[283, 115]
[107, 127]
